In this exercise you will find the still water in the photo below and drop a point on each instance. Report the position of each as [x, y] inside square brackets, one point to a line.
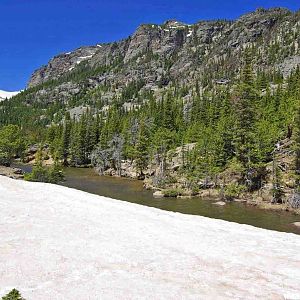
[132, 191]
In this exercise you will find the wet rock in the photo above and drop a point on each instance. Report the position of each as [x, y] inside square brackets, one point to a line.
[14, 173]
[33, 149]
[220, 203]
[158, 194]
[297, 224]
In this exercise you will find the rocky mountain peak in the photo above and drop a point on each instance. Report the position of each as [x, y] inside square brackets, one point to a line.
[159, 54]
[174, 24]
[266, 13]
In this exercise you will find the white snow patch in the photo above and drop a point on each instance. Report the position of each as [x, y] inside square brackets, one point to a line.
[176, 27]
[82, 58]
[8, 95]
[60, 243]
[99, 46]
[190, 33]
[85, 57]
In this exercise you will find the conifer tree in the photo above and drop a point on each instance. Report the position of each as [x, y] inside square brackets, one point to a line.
[297, 150]
[141, 150]
[66, 138]
[246, 115]
[13, 295]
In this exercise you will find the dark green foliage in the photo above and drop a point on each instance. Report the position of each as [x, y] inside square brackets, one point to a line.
[297, 149]
[40, 173]
[53, 174]
[246, 112]
[233, 190]
[142, 148]
[277, 185]
[13, 295]
[172, 193]
[11, 143]
[65, 142]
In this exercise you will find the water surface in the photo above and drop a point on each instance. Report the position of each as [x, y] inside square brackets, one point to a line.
[132, 191]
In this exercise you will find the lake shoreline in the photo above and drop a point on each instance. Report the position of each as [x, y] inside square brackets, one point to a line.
[208, 204]
[11, 172]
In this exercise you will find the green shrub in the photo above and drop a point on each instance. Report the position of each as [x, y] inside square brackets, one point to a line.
[11, 143]
[4, 159]
[40, 173]
[13, 295]
[233, 190]
[172, 192]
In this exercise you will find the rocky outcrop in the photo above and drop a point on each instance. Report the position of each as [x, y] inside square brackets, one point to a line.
[289, 64]
[14, 173]
[174, 51]
[61, 64]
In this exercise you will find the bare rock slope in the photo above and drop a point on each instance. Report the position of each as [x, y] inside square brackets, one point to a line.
[157, 55]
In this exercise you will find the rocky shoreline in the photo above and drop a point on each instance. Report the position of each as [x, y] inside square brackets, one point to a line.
[14, 173]
[215, 195]
[176, 186]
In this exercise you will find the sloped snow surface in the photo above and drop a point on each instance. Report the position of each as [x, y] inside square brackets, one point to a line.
[60, 243]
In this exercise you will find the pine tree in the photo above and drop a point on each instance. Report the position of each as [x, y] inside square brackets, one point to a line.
[66, 139]
[141, 149]
[297, 150]
[13, 295]
[246, 118]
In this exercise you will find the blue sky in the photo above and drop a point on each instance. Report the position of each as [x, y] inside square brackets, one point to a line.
[32, 31]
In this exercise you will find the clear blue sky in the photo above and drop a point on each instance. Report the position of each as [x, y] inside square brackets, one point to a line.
[32, 31]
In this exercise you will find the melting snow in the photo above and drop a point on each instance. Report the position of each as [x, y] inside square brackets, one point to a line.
[190, 33]
[60, 243]
[8, 95]
[82, 58]
[85, 57]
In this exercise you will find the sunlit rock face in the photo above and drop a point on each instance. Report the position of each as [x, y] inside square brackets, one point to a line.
[157, 56]
[60, 243]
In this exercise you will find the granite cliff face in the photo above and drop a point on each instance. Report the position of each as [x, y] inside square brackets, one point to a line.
[156, 56]
[61, 64]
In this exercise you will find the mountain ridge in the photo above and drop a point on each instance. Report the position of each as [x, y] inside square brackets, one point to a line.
[164, 39]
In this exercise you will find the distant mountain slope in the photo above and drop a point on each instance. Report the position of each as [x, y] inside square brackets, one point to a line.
[158, 56]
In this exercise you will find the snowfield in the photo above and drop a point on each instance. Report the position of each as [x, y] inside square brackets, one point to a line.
[60, 243]
[8, 95]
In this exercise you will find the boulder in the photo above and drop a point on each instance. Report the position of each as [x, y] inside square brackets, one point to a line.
[158, 194]
[220, 203]
[297, 224]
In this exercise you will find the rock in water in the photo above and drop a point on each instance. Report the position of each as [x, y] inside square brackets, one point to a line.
[220, 203]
